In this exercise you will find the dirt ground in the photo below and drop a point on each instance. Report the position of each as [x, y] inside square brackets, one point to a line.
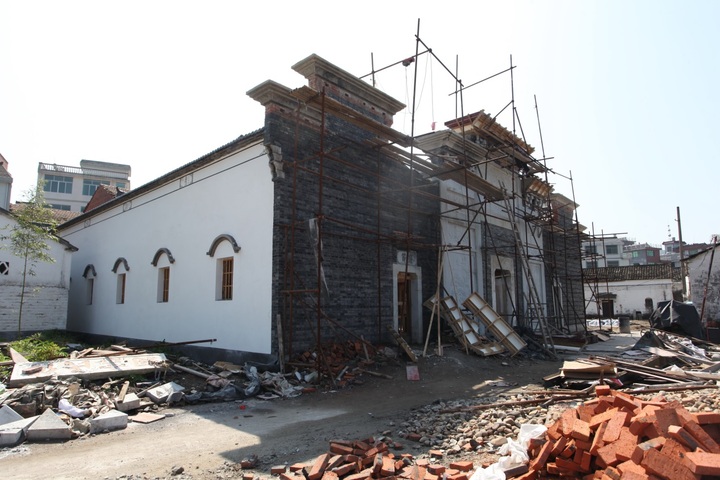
[207, 440]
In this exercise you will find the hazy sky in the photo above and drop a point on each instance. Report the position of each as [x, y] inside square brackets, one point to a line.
[627, 91]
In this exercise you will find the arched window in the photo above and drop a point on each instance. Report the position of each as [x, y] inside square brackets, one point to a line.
[89, 274]
[162, 260]
[120, 269]
[226, 246]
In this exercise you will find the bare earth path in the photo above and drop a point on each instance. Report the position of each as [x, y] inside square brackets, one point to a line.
[204, 439]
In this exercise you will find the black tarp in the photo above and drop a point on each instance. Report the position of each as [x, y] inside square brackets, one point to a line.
[677, 317]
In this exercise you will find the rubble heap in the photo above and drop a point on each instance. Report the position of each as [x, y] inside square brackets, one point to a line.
[617, 435]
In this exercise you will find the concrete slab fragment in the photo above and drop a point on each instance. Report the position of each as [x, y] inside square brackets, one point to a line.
[48, 427]
[146, 417]
[23, 423]
[12, 437]
[163, 392]
[112, 420]
[86, 368]
[131, 402]
[8, 415]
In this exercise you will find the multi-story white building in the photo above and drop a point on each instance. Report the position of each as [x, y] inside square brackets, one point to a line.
[70, 188]
[606, 252]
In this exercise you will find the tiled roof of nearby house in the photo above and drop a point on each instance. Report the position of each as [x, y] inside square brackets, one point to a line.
[60, 216]
[174, 174]
[633, 272]
[56, 213]
[103, 194]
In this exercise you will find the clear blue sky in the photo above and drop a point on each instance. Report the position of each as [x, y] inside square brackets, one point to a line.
[627, 90]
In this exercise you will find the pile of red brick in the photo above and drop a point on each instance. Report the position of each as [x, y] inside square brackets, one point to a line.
[371, 459]
[619, 436]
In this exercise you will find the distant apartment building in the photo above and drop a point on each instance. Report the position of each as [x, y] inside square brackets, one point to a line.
[642, 254]
[672, 247]
[70, 188]
[605, 252]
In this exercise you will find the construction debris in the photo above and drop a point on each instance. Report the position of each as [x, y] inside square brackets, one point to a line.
[617, 435]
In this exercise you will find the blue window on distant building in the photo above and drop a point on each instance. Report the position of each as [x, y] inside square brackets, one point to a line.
[611, 249]
[89, 186]
[58, 184]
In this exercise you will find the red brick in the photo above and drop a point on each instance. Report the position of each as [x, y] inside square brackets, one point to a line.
[585, 412]
[652, 444]
[704, 418]
[553, 431]
[607, 456]
[569, 450]
[630, 466]
[598, 438]
[415, 437]
[329, 475]
[318, 467]
[599, 418]
[702, 437]
[423, 462]
[277, 469]
[627, 401]
[585, 461]
[559, 446]
[612, 473]
[581, 430]
[612, 431]
[703, 463]
[463, 466]
[567, 420]
[567, 465]
[581, 445]
[638, 425]
[436, 453]
[538, 462]
[531, 475]
[636, 476]
[682, 436]
[388, 466]
[359, 476]
[673, 448]
[340, 449]
[458, 476]
[667, 417]
[666, 467]
[601, 390]
[345, 468]
[626, 444]
[436, 469]
[296, 467]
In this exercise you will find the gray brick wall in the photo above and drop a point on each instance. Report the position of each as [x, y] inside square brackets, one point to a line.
[357, 260]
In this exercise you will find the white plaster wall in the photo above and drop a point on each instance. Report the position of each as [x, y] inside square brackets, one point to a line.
[233, 196]
[46, 292]
[701, 286]
[631, 295]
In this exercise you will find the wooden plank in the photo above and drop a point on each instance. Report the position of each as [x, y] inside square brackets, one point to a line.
[495, 323]
[403, 344]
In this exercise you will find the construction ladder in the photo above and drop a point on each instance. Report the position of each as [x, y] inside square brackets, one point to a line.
[534, 303]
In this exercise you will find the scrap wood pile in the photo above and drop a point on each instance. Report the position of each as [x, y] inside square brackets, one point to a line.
[617, 435]
[658, 358]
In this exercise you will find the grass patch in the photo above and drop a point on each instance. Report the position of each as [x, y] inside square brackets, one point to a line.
[41, 346]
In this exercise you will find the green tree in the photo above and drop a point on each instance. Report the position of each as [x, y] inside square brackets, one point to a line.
[29, 238]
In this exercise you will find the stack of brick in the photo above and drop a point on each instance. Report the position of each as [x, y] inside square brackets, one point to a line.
[619, 436]
[371, 459]
[336, 358]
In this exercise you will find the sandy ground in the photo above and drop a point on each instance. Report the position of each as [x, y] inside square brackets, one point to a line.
[206, 440]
